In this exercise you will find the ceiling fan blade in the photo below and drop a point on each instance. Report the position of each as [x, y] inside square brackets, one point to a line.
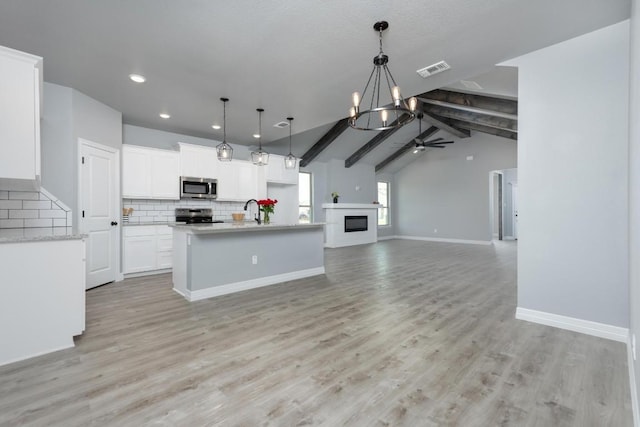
[432, 140]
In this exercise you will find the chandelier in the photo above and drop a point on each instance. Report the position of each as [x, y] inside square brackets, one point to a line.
[377, 117]
[225, 151]
[259, 157]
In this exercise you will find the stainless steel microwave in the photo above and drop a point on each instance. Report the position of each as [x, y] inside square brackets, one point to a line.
[198, 188]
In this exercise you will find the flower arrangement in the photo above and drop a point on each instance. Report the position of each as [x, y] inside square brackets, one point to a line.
[267, 206]
[335, 196]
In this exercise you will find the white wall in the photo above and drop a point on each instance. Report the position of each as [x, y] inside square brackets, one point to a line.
[444, 191]
[356, 184]
[572, 177]
[634, 182]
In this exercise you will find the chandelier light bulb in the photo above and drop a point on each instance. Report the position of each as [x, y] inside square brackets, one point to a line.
[352, 112]
[356, 99]
[384, 115]
[395, 94]
[413, 103]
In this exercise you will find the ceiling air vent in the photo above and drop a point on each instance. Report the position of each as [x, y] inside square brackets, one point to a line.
[281, 125]
[436, 68]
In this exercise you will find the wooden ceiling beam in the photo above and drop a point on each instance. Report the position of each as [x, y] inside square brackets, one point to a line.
[442, 125]
[482, 102]
[324, 142]
[476, 118]
[487, 129]
[406, 147]
[373, 143]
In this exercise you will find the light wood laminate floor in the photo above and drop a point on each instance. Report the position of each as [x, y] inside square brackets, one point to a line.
[399, 333]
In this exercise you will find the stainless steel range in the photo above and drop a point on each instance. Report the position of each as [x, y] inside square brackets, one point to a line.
[196, 216]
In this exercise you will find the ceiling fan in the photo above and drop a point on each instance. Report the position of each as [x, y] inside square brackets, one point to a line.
[423, 145]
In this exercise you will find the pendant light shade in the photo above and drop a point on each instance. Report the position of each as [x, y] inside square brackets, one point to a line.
[260, 157]
[291, 160]
[225, 151]
[380, 113]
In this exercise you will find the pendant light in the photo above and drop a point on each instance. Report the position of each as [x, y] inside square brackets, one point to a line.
[377, 116]
[225, 151]
[260, 157]
[290, 161]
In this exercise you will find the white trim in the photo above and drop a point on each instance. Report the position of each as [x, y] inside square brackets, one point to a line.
[147, 273]
[508, 238]
[437, 239]
[387, 237]
[230, 288]
[632, 384]
[588, 327]
[39, 353]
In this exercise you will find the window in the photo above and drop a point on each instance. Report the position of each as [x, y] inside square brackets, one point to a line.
[305, 206]
[383, 199]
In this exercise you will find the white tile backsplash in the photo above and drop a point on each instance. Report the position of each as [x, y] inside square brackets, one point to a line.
[145, 211]
[27, 209]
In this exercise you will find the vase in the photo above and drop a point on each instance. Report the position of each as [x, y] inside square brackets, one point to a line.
[266, 220]
[335, 200]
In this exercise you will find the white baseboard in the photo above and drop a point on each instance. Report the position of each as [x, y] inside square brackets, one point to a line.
[230, 288]
[147, 273]
[588, 327]
[387, 237]
[632, 384]
[438, 239]
[40, 353]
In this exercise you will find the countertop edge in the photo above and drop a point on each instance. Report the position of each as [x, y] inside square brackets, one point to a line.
[235, 228]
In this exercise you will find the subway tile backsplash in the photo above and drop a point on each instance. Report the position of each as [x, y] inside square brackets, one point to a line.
[146, 211]
[37, 209]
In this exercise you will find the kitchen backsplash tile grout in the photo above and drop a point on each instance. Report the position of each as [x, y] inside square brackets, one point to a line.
[32, 209]
[147, 211]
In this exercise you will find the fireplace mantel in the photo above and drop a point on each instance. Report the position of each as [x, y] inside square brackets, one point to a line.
[335, 235]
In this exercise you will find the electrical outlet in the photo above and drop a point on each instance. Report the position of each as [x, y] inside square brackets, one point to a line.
[435, 230]
[254, 259]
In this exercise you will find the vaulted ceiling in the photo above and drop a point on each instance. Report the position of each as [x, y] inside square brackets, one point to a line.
[293, 58]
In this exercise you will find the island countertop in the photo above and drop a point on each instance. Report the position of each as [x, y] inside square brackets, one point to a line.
[229, 227]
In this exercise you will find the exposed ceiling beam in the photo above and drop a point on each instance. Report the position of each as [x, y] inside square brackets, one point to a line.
[460, 133]
[473, 117]
[408, 146]
[487, 129]
[373, 143]
[477, 101]
[324, 142]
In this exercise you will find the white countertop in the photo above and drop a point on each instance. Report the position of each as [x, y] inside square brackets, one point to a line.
[20, 235]
[230, 227]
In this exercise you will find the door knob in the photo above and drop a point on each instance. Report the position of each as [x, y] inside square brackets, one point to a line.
[114, 223]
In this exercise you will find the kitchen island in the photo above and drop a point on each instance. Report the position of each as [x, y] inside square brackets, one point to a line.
[217, 259]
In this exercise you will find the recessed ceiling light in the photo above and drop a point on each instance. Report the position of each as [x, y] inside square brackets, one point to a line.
[137, 78]
[256, 135]
[216, 127]
[165, 115]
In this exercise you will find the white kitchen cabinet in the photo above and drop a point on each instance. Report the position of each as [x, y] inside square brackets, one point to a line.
[149, 173]
[147, 248]
[278, 174]
[239, 180]
[20, 109]
[198, 161]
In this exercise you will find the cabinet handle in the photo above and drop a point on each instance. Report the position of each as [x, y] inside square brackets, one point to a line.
[114, 222]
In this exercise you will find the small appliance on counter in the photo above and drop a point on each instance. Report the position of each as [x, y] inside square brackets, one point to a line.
[196, 216]
[198, 188]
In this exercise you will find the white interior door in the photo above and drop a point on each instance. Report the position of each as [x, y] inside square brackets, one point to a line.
[514, 208]
[99, 207]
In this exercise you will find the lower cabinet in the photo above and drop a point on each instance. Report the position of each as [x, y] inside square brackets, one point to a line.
[147, 248]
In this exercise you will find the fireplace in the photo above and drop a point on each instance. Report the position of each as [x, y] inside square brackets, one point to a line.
[355, 223]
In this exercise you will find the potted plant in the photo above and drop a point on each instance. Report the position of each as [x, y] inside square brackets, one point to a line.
[335, 197]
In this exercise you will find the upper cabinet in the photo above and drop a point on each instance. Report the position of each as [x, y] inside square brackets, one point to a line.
[278, 174]
[198, 161]
[238, 180]
[149, 173]
[20, 109]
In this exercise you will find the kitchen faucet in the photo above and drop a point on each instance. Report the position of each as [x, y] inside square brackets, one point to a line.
[258, 220]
